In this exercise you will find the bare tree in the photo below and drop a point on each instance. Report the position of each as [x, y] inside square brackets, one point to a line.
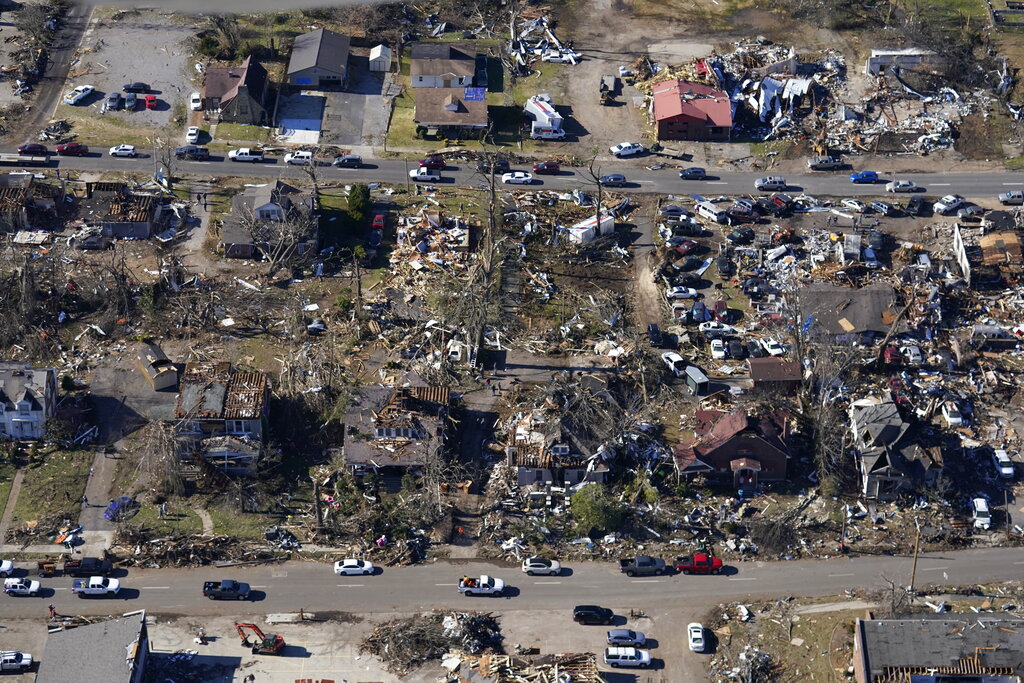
[284, 243]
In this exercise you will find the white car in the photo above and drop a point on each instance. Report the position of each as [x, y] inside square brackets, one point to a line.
[951, 414]
[681, 293]
[901, 186]
[1004, 466]
[855, 205]
[123, 151]
[533, 566]
[303, 157]
[625, 149]
[718, 349]
[21, 587]
[695, 637]
[12, 660]
[195, 102]
[674, 362]
[912, 355]
[982, 516]
[192, 135]
[772, 346]
[353, 567]
[948, 204]
[715, 329]
[78, 94]
[517, 178]
[6, 568]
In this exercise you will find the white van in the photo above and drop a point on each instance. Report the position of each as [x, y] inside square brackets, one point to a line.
[300, 158]
[712, 212]
[627, 656]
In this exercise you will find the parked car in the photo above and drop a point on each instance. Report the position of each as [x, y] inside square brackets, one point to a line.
[7, 567]
[725, 266]
[912, 355]
[674, 362]
[12, 660]
[741, 236]
[434, 161]
[824, 163]
[195, 102]
[736, 350]
[114, 101]
[33, 149]
[970, 212]
[136, 87]
[674, 211]
[627, 657]
[684, 246]
[654, 336]
[718, 349]
[500, 166]
[854, 205]
[21, 587]
[517, 178]
[901, 186]
[150, 101]
[302, 157]
[951, 414]
[613, 180]
[1004, 466]
[123, 151]
[347, 161]
[192, 135]
[192, 153]
[713, 328]
[625, 149]
[981, 516]
[72, 149]
[754, 349]
[877, 240]
[591, 614]
[772, 347]
[883, 208]
[695, 637]
[770, 183]
[948, 204]
[88, 566]
[131, 100]
[547, 168]
[533, 566]
[693, 173]
[915, 206]
[642, 565]
[864, 177]
[688, 263]
[625, 637]
[1012, 198]
[354, 567]
[681, 293]
[78, 94]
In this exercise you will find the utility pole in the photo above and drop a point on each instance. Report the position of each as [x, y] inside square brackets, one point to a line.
[917, 550]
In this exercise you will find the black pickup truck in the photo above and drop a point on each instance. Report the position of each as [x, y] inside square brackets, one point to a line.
[88, 566]
[226, 590]
[642, 565]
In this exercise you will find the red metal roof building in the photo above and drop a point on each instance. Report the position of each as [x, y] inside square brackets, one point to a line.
[691, 111]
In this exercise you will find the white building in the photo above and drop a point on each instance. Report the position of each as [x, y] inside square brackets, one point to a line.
[380, 58]
[28, 397]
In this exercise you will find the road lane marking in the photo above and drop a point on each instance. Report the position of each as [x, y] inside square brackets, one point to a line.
[716, 182]
[156, 588]
[745, 578]
[1018, 562]
[351, 585]
[646, 581]
[446, 584]
[1013, 183]
[547, 583]
[257, 586]
[850, 574]
[939, 184]
[591, 586]
[64, 589]
[934, 569]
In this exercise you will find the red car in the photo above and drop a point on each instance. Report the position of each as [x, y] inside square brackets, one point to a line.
[150, 101]
[378, 222]
[33, 149]
[698, 563]
[547, 168]
[434, 161]
[72, 149]
[686, 246]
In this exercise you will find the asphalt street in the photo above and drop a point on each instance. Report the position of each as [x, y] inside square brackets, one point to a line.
[981, 187]
[313, 587]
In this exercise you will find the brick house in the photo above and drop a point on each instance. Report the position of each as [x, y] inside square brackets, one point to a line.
[691, 111]
[736, 447]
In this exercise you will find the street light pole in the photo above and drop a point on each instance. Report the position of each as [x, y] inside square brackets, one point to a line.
[917, 550]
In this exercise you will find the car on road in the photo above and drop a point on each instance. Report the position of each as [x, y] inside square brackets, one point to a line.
[981, 516]
[718, 349]
[864, 177]
[534, 566]
[654, 336]
[772, 347]
[695, 637]
[547, 168]
[353, 567]
[854, 205]
[192, 135]
[72, 149]
[33, 149]
[713, 328]
[114, 101]
[499, 166]
[425, 174]
[434, 161]
[484, 585]
[674, 362]
[693, 173]
[624, 637]
[247, 154]
[517, 178]
[95, 585]
[1012, 198]
[12, 660]
[1004, 466]
[612, 180]
[347, 161]
[136, 87]
[681, 293]
[88, 566]
[698, 563]
[951, 414]
[901, 186]
[625, 149]
[627, 657]
[78, 94]
[192, 153]
[123, 151]
[20, 587]
[150, 100]
[770, 183]
[948, 204]
[195, 102]
[591, 614]
[302, 157]
[228, 589]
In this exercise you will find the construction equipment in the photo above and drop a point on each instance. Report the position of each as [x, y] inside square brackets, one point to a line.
[265, 644]
[47, 567]
[608, 88]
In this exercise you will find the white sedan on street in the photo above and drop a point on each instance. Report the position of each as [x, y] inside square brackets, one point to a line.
[123, 151]
[517, 178]
[353, 567]
[533, 566]
[901, 186]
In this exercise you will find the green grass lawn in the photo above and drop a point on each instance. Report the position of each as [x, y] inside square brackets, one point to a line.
[48, 479]
[106, 130]
[241, 133]
[181, 518]
[229, 521]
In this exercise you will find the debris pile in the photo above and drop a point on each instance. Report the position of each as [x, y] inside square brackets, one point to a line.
[406, 644]
[533, 39]
[557, 668]
[134, 545]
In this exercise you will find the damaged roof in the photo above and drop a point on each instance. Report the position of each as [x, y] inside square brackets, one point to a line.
[19, 382]
[693, 101]
[439, 59]
[217, 391]
[838, 310]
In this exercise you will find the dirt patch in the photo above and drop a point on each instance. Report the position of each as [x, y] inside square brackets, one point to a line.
[979, 138]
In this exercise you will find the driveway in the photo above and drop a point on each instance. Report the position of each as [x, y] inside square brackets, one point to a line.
[358, 116]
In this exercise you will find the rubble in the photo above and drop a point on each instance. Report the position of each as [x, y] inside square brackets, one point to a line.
[406, 644]
[557, 668]
[136, 547]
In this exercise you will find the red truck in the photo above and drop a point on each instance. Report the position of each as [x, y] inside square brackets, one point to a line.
[698, 563]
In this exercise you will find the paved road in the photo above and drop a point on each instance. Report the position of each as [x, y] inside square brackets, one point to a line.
[980, 186]
[313, 586]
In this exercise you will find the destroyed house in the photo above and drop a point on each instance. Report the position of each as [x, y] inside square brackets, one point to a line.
[544, 454]
[396, 429]
[441, 65]
[249, 230]
[736, 447]
[450, 111]
[691, 111]
[939, 648]
[120, 213]
[29, 206]
[28, 398]
[112, 651]
[847, 313]
[890, 456]
[237, 94]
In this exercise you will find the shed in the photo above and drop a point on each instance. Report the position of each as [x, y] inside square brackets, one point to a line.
[157, 367]
[380, 58]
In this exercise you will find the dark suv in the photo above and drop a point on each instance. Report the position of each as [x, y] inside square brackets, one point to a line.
[500, 166]
[192, 152]
[591, 614]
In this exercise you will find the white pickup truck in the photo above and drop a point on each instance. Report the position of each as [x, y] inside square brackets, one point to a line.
[426, 175]
[484, 585]
[95, 585]
[21, 587]
[12, 660]
[253, 156]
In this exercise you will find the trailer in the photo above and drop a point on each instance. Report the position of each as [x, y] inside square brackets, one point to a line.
[546, 121]
[23, 160]
[608, 88]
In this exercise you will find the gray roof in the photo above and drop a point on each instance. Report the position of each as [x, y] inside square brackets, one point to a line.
[103, 651]
[943, 640]
[320, 48]
[840, 310]
[19, 382]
